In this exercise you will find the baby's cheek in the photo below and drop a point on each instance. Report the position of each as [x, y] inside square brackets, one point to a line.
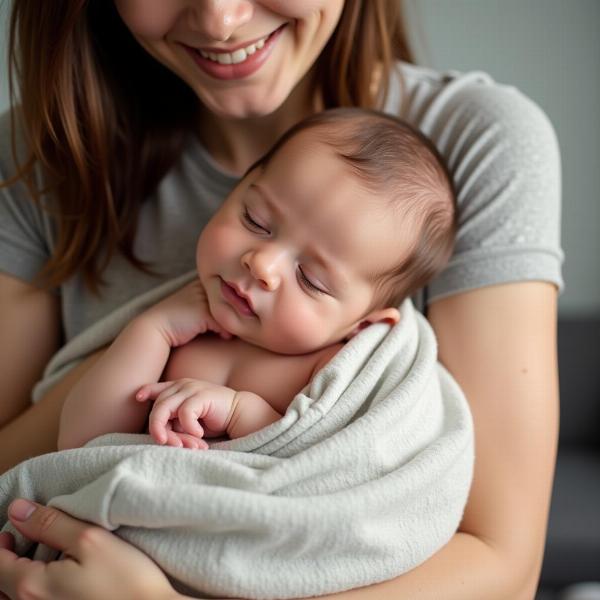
[301, 331]
[216, 244]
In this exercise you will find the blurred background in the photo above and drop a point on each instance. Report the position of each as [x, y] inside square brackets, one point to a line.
[550, 49]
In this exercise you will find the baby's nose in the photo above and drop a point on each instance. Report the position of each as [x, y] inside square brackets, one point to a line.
[264, 267]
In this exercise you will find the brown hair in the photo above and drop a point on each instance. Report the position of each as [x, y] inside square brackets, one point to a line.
[395, 160]
[91, 120]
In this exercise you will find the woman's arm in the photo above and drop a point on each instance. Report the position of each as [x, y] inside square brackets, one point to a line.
[30, 333]
[35, 431]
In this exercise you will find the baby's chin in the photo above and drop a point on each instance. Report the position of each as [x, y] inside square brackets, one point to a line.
[264, 336]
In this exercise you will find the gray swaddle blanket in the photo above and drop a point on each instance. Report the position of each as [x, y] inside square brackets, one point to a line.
[364, 477]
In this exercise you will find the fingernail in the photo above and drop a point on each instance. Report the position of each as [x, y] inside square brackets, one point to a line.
[21, 510]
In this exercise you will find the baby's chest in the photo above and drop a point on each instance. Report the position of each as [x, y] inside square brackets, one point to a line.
[240, 366]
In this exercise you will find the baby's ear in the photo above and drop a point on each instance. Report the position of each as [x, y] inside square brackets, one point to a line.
[379, 315]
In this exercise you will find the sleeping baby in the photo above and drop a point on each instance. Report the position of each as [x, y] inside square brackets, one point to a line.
[349, 213]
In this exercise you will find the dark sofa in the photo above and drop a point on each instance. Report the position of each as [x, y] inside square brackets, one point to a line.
[573, 542]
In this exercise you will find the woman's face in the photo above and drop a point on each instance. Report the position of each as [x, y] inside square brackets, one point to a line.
[242, 58]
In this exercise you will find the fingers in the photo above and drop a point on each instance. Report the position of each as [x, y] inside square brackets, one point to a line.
[178, 406]
[162, 413]
[171, 439]
[195, 442]
[12, 572]
[47, 525]
[151, 390]
[7, 541]
[166, 409]
[192, 442]
[190, 411]
[185, 440]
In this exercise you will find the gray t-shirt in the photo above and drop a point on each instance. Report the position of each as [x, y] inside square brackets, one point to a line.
[498, 145]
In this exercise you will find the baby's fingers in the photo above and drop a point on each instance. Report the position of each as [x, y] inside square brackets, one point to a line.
[183, 440]
[159, 418]
[151, 391]
[173, 439]
[189, 413]
[192, 442]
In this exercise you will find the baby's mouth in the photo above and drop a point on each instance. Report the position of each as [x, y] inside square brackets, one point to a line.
[242, 304]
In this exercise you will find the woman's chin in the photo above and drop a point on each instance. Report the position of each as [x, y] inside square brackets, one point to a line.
[242, 104]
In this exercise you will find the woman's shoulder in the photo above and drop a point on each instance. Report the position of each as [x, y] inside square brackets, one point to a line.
[427, 97]
[503, 155]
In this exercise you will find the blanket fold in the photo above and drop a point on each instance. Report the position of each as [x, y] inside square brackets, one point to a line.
[364, 477]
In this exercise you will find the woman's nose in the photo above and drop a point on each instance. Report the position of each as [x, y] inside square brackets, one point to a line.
[218, 19]
[264, 267]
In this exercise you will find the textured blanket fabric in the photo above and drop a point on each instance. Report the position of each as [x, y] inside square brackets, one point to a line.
[364, 477]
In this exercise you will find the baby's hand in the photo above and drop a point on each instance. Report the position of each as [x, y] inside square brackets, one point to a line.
[184, 315]
[180, 406]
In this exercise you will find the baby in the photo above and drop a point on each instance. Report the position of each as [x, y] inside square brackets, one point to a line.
[349, 213]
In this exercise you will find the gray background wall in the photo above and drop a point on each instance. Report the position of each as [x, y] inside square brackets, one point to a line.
[550, 49]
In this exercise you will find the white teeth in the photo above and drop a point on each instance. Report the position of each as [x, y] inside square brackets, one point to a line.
[238, 56]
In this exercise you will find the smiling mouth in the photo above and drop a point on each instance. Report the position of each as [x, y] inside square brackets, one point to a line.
[238, 55]
[239, 303]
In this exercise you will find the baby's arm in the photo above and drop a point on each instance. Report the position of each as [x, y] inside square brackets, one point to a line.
[103, 400]
[187, 410]
[180, 405]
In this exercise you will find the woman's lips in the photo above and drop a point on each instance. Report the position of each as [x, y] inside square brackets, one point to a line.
[236, 70]
[241, 305]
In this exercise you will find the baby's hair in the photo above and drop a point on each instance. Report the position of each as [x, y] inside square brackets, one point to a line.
[390, 157]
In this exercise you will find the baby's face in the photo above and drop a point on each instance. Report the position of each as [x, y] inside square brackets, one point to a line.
[289, 262]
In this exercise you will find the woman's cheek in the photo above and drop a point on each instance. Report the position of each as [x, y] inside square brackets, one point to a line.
[148, 19]
[299, 9]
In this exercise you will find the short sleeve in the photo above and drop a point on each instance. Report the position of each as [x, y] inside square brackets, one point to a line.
[25, 231]
[503, 155]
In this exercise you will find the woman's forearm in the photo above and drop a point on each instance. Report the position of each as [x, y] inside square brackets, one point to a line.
[465, 569]
[32, 433]
[103, 401]
[35, 431]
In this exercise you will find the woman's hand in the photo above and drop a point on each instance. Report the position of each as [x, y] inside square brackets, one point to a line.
[97, 564]
[184, 315]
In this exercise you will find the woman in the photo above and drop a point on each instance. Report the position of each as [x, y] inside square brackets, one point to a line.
[185, 95]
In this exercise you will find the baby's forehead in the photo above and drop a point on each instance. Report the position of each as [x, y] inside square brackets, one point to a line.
[307, 163]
